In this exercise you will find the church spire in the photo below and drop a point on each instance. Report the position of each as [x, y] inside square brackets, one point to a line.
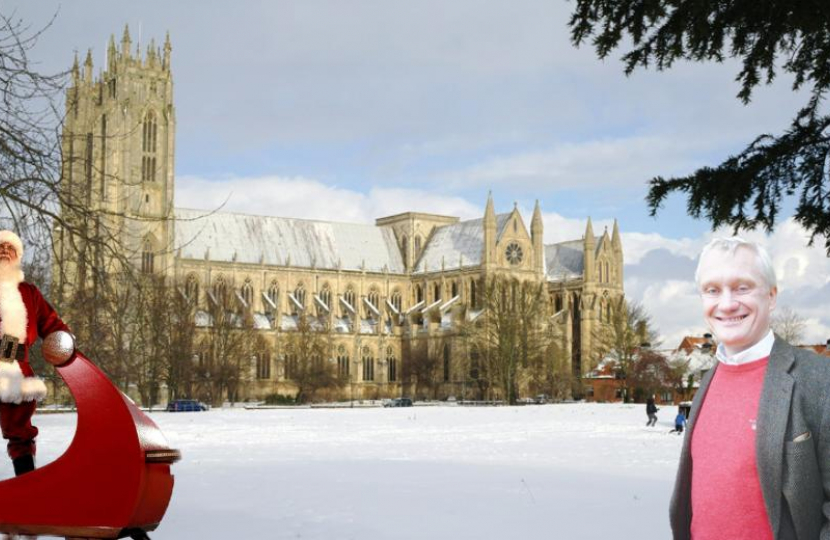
[489, 248]
[589, 243]
[537, 238]
[126, 42]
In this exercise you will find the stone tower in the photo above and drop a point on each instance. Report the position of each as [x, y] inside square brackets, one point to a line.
[118, 148]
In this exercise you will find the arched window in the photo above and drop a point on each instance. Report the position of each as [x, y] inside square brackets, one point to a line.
[148, 146]
[474, 364]
[191, 288]
[454, 289]
[291, 366]
[557, 303]
[299, 296]
[392, 362]
[374, 300]
[473, 297]
[446, 363]
[368, 365]
[396, 300]
[419, 294]
[220, 288]
[607, 275]
[147, 258]
[349, 296]
[263, 365]
[247, 292]
[273, 294]
[325, 297]
[342, 362]
[436, 292]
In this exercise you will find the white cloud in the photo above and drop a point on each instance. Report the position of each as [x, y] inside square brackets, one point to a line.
[311, 199]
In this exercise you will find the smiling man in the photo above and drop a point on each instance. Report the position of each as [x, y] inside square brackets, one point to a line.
[755, 462]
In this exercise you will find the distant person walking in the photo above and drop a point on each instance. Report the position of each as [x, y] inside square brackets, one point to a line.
[679, 423]
[651, 411]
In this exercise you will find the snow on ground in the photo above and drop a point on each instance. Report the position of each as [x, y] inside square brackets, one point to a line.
[576, 471]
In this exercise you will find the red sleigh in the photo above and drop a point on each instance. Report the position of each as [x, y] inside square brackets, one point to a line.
[113, 481]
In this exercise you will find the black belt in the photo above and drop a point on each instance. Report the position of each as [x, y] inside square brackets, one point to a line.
[11, 349]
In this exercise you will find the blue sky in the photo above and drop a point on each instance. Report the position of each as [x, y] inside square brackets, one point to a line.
[370, 107]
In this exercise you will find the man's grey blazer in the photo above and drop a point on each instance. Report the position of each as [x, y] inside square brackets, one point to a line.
[792, 447]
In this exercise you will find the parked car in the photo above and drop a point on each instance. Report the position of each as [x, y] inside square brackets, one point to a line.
[399, 402]
[186, 405]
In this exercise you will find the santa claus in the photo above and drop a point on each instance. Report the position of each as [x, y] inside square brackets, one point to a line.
[24, 315]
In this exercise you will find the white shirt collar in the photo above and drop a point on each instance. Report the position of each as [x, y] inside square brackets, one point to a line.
[762, 349]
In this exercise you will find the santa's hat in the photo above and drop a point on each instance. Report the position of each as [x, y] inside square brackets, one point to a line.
[14, 240]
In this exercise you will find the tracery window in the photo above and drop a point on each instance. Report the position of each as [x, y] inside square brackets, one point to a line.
[273, 294]
[343, 367]
[148, 146]
[147, 258]
[392, 363]
[396, 300]
[247, 292]
[191, 288]
[263, 365]
[368, 365]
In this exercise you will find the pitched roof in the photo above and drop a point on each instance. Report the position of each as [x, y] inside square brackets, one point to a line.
[282, 241]
[457, 245]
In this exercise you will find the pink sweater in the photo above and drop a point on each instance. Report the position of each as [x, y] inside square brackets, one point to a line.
[727, 502]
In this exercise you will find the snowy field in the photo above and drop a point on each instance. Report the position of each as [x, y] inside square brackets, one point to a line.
[577, 471]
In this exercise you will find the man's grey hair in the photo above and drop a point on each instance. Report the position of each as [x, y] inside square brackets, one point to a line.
[730, 245]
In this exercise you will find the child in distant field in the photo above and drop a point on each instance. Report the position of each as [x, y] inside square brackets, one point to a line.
[679, 422]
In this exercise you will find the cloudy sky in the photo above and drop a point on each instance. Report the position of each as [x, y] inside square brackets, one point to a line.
[354, 110]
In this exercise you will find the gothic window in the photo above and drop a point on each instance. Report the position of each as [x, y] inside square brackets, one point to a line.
[392, 362]
[436, 292]
[290, 366]
[273, 294]
[608, 313]
[263, 365]
[191, 288]
[220, 288]
[325, 297]
[454, 289]
[474, 364]
[147, 258]
[349, 297]
[247, 292]
[419, 294]
[342, 363]
[148, 146]
[557, 303]
[607, 276]
[473, 298]
[299, 296]
[446, 363]
[368, 365]
[374, 299]
[396, 300]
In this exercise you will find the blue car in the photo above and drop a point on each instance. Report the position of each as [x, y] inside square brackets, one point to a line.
[186, 405]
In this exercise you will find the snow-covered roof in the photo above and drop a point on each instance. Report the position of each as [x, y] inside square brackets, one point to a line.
[286, 241]
[566, 260]
[457, 245]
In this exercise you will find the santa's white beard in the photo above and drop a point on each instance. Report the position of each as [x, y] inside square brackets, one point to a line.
[12, 309]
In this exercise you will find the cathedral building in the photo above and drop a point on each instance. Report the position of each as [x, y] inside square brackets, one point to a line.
[377, 287]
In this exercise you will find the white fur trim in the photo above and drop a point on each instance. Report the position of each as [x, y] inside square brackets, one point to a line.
[13, 317]
[14, 240]
[15, 388]
[32, 389]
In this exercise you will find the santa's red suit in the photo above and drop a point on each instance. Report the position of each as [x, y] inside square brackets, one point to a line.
[25, 315]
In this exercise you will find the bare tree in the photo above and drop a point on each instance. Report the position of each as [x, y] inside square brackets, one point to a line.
[789, 325]
[628, 331]
[512, 334]
[307, 358]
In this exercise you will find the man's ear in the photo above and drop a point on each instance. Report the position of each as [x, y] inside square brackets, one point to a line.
[773, 297]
